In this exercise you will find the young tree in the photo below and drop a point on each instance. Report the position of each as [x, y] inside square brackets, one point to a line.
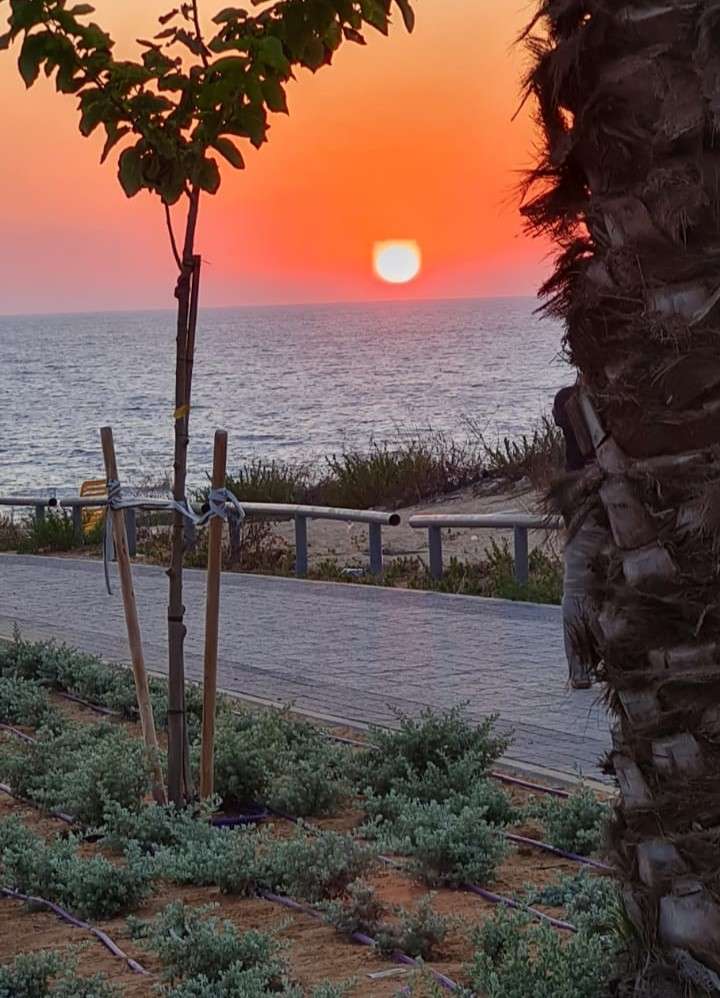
[173, 111]
[629, 185]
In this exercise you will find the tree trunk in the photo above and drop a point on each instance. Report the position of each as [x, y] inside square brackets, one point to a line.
[186, 292]
[629, 100]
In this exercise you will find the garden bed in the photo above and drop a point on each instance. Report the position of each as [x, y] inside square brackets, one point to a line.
[413, 787]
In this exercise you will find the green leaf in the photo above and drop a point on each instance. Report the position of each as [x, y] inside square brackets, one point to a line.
[5, 40]
[207, 175]
[407, 12]
[114, 134]
[272, 54]
[314, 55]
[274, 96]
[130, 171]
[34, 51]
[228, 14]
[230, 151]
[82, 8]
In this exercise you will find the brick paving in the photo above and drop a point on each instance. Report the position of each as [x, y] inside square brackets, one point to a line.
[351, 653]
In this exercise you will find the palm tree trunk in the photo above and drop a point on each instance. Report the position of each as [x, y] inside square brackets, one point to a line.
[186, 292]
[629, 186]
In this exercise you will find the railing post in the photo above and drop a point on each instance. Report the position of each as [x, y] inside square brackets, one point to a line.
[436, 554]
[39, 512]
[131, 529]
[376, 552]
[77, 525]
[301, 547]
[522, 561]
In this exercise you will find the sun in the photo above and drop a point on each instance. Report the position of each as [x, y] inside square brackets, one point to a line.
[397, 261]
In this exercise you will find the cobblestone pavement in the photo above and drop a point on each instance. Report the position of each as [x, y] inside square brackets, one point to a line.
[347, 652]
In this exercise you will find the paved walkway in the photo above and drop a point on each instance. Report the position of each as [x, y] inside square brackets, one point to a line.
[351, 653]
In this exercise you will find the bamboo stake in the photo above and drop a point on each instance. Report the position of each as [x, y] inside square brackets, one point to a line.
[147, 721]
[212, 619]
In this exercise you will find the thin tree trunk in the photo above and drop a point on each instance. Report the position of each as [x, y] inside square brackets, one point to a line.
[186, 292]
[629, 99]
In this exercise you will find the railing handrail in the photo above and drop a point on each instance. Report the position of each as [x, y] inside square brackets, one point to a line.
[497, 521]
[284, 510]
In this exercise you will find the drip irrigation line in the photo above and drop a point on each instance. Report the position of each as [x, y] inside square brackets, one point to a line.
[61, 815]
[359, 937]
[506, 902]
[17, 733]
[98, 708]
[572, 856]
[66, 916]
[515, 781]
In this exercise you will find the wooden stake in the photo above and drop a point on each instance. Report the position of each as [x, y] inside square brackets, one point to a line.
[147, 721]
[212, 619]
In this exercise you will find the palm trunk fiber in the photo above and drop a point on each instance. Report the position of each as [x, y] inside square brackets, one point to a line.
[629, 185]
[187, 293]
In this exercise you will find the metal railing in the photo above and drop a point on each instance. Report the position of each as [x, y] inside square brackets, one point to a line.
[76, 504]
[268, 511]
[301, 514]
[520, 523]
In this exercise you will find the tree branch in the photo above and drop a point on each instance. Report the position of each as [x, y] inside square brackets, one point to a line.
[173, 241]
[198, 34]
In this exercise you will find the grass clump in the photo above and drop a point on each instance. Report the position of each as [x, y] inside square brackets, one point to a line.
[515, 958]
[49, 974]
[92, 888]
[538, 455]
[22, 701]
[576, 824]
[80, 770]
[55, 532]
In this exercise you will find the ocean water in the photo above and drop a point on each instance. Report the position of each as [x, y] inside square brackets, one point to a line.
[292, 383]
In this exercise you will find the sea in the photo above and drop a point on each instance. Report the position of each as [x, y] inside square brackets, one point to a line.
[287, 383]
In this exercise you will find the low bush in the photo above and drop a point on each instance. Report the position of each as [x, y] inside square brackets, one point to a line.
[80, 770]
[515, 958]
[12, 532]
[49, 974]
[427, 745]
[206, 958]
[446, 847]
[91, 888]
[592, 902]
[285, 763]
[315, 867]
[90, 678]
[417, 932]
[23, 701]
[576, 824]
[223, 857]
[479, 793]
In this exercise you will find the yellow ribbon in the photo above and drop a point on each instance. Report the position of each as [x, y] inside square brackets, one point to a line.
[182, 411]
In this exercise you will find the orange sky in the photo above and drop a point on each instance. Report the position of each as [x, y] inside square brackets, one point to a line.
[410, 138]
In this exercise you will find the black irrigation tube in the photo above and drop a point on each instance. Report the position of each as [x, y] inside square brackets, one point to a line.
[500, 899]
[475, 888]
[60, 815]
[98, 708]
[66, 916]
[546, 847]
[17, 733]
[359, 937]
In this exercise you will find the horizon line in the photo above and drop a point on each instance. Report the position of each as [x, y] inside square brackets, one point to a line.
[269, 305]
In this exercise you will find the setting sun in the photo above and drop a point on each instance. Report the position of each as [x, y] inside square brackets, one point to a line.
[397, 261]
